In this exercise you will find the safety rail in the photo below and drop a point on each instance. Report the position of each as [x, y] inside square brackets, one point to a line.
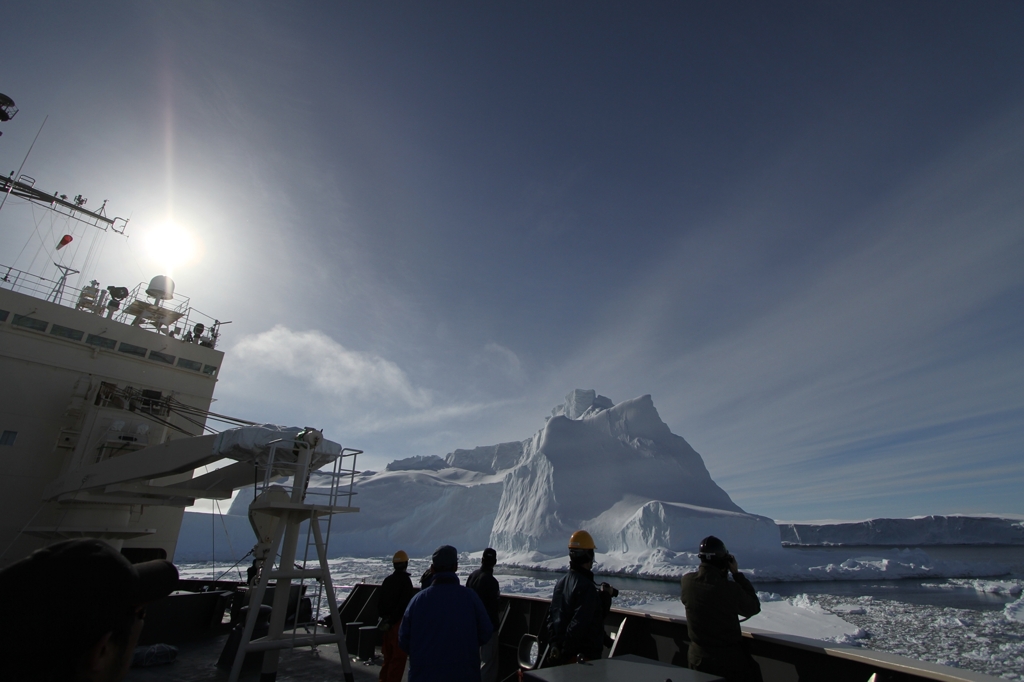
[663, 638]
[94, 299]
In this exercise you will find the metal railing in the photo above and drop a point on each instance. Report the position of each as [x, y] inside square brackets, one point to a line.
[97, 300]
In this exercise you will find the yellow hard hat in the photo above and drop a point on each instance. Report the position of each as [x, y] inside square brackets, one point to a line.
[400, 558]
[581, 540]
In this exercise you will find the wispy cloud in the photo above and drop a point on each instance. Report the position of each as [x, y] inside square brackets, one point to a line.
[308, 377]
[501, 359]
[330, 368]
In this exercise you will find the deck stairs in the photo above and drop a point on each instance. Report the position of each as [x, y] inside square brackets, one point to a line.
[300, 505]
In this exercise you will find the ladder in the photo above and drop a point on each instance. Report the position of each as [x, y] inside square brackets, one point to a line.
[291, 514]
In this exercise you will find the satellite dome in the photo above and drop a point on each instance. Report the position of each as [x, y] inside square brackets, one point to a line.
[161, 288]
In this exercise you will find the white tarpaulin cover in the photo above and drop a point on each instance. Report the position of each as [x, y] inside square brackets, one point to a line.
[253, 444]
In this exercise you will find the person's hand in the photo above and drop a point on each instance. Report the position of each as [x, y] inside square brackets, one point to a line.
[734, 567]
[554, 653]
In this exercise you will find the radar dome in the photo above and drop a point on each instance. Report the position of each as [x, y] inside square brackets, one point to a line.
[161, 288]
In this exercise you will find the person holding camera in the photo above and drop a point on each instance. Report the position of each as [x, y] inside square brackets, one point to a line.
[575, 621]
[714, 605]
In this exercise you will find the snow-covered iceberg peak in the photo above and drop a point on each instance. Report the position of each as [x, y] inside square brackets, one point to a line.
[581, 402]
[599, 466]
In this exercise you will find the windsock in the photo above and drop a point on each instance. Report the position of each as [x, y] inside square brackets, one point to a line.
[64, 241]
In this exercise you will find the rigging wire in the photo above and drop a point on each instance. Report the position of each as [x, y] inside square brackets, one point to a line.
[83, 276]
[27, 242]
[216, 504]
[207, 413]
[193, 421]
[24, 161]
[42, 242]
[247, 554]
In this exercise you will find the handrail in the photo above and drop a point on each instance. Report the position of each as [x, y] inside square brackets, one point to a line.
[664, 637]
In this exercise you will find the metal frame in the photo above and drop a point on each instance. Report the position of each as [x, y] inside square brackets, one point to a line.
[290, 516]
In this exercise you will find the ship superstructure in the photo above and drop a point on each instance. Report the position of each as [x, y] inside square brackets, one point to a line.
[88, 376]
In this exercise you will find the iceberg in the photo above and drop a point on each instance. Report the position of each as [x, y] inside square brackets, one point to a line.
[915, 531]
[616, 470]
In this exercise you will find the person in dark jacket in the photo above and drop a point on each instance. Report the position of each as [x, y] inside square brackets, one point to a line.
[482, 582]
[713, 607]
[427, 578]
[395, 594]
[575, 621]
[444, 626]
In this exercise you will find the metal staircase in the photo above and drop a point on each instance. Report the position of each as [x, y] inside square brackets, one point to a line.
[294, 456]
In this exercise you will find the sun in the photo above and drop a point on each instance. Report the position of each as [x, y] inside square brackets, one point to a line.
[171, 246]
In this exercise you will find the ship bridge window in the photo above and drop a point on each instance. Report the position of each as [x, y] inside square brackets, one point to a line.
[162, 357]
[66, 332]
[3, 315]
[190, 364]
[133, 350]
[8, 437]
[209, 369]
[27, 322]
[100, 341]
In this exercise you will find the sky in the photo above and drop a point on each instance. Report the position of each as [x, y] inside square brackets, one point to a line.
[798, 226]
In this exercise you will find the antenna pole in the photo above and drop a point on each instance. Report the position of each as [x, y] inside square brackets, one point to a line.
[11, 186]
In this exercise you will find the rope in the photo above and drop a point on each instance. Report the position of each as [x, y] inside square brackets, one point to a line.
[216, 504]
[247, 555]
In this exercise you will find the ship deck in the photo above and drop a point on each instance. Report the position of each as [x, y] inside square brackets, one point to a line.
[197, 662]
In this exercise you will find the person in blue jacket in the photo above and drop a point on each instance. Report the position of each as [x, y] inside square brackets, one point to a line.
[444, 626]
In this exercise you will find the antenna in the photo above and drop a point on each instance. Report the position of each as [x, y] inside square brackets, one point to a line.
[9, 184]
[58, 291]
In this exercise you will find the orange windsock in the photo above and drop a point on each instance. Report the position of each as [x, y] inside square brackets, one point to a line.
[64, 241]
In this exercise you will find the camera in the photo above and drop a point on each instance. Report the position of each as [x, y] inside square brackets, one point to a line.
[610, 590]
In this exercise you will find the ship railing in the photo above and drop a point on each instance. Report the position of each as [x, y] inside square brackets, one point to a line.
[31, 284]
[640, 635]
[96, 300]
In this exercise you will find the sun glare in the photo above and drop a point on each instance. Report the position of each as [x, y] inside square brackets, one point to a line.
[171, 246]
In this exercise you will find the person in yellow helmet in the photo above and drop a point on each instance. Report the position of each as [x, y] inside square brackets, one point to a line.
[395, 594]
[575, 620]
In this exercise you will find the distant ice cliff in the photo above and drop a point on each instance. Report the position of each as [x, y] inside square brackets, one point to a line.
[913, 532]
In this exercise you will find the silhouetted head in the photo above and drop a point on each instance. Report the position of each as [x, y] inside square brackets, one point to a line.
[712, 551]
[489, 558]
[88, 599]
[445, 559]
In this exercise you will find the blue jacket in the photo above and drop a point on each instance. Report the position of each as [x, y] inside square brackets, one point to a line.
[442, 631]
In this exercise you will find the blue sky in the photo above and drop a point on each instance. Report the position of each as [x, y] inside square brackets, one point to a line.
[798, 226]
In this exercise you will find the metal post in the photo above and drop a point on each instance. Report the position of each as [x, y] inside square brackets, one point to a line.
[255, 600]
